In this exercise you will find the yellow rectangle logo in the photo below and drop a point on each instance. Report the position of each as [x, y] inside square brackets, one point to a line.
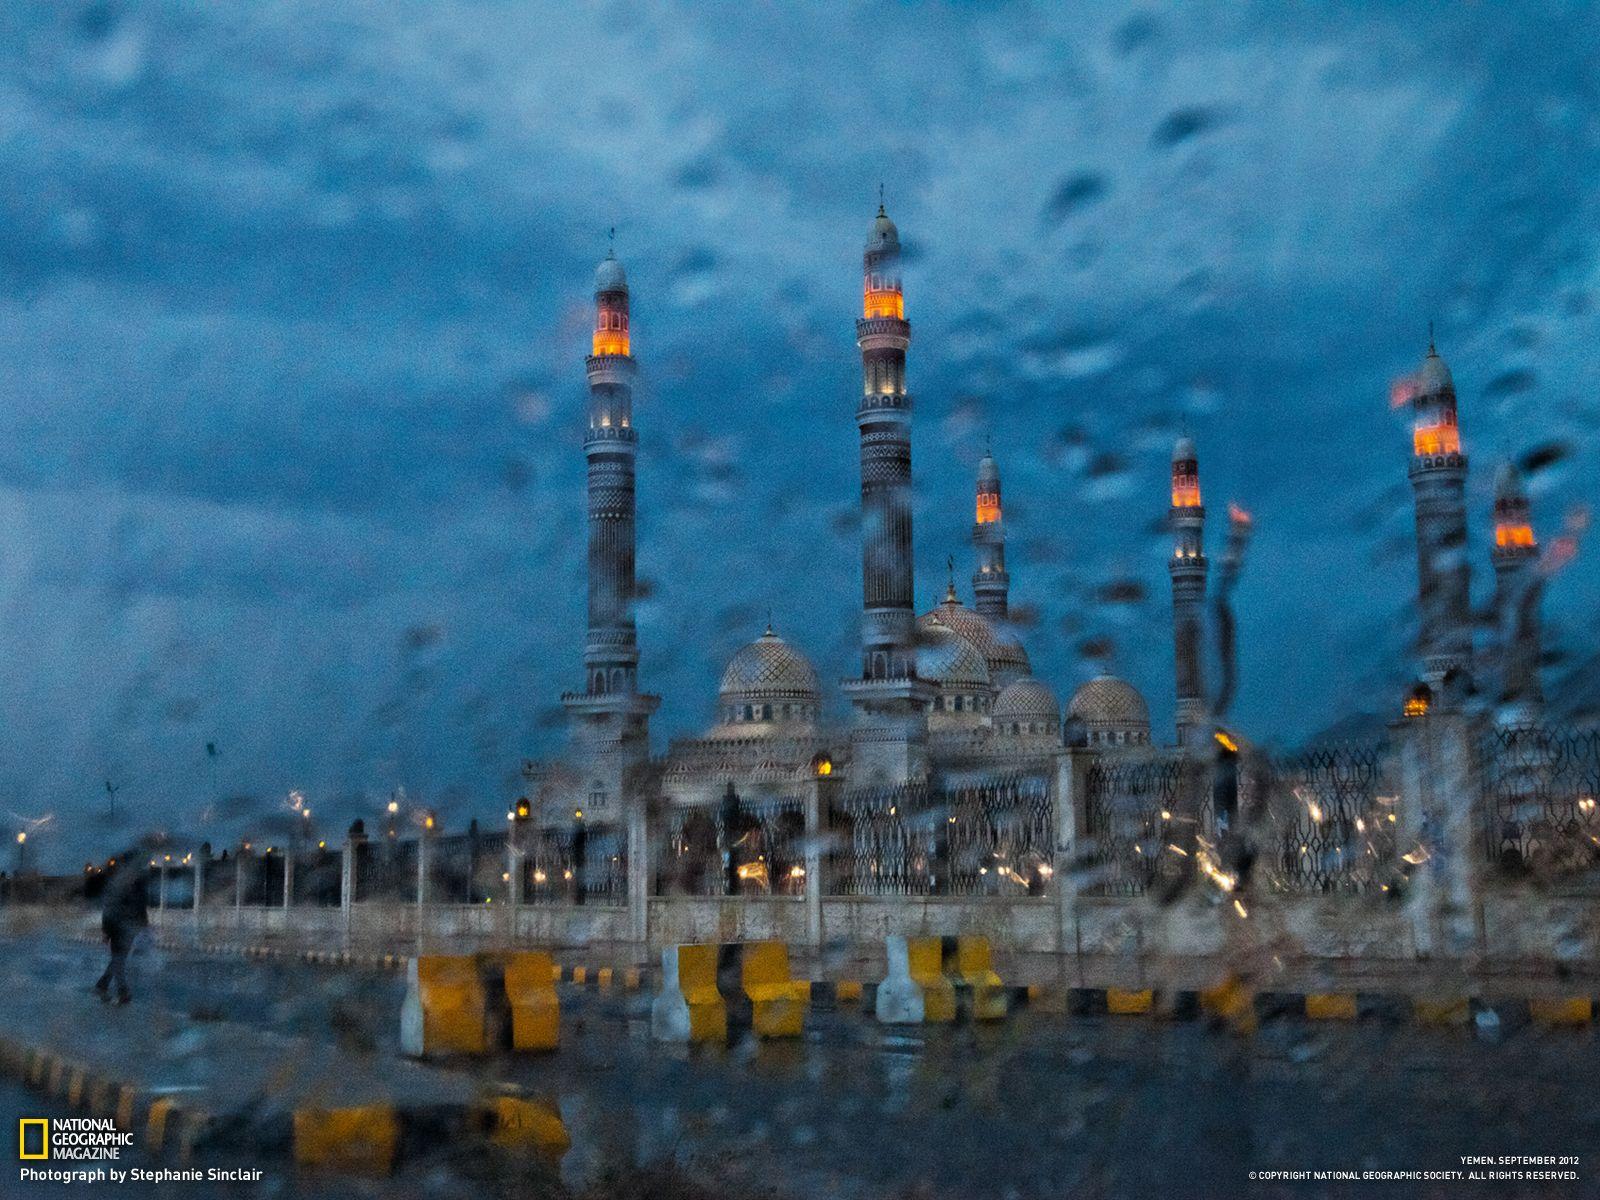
[42, 1124]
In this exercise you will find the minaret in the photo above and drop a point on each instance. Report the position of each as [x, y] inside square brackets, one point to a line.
[1188, 570]
[990, 584]
[1439, 477]
[890, 702]
[610, 717]
[1516, 594]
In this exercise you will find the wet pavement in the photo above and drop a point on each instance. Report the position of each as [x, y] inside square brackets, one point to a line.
[1042, 1105]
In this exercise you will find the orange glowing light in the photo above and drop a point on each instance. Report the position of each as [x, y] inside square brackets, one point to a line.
[1508, 534]
[988, 508]
[884, 302]
[1416, 706]
[610, 341]
[611, 328]
[1428, 440]
[1239, 516]
[1187, 493]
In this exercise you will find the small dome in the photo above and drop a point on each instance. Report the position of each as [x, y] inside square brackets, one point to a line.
[946, 658]
[609, 276]
[1107, 700]
[1433, 377]
[769, 669]
[1183, 450]
[1002, 653]
[883, 232]
[1027, 700]
[988, 472]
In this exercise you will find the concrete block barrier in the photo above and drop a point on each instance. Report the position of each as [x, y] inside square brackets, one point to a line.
[535, 1009]
[1561, 1010]
[362, 1140]
[1331, 1006]
[915, 991]
[1121, 1003]
[778, 1001]
[689, 1008]
[444, 1011]
[1230, 1003]
[974, 972]
[519, 1123]
[1442, 1010]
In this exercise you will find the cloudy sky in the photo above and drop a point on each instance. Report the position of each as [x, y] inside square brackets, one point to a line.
[293, 303]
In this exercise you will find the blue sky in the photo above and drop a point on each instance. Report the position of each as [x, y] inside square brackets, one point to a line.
[293, 300]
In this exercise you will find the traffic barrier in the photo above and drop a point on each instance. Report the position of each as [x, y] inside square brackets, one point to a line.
[355, 1141]
[631, 978]
[444, 1010]
[915, 991]
[1120, 1003]
[1561, 1010]
[778, 1001]
[516, 1123]
[1232, 1003]
[1330, 1006]
[975, 969]
[689, 1008]
[535, 1008]
[1449, 1010]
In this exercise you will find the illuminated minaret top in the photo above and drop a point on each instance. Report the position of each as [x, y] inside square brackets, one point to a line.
[610, 717]
[990, 584]
[1188, 568]
[1438, 477]
[890, 703]
[1517, 596]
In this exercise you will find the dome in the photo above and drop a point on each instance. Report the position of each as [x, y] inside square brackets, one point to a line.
[1027, 700]
[883, 232]
[769, 669]
[1507, 482]
[988, 472]
[1433, 376]
[609, 276]
[1107, 700]
[1002, 654]
[1183, 450]
[946, 658]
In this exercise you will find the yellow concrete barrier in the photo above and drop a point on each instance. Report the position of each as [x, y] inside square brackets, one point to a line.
[125, 1102]
[75, 1083]
[631, 978]
[515, 1124]
[444, 1009]
[1330, 1006]
[915, 990]
[603, 978]
[778, 1001]
[1562, 1010]
[689, 1008]
[353, 1141]
[847, 991]
[1120, 1003]
[975, 968]
[535, 1008]
[580, 976]
[155, 1128]
[1452, 1010]
[1230, 1001]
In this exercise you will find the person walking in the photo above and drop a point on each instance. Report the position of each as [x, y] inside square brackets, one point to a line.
[124, 911]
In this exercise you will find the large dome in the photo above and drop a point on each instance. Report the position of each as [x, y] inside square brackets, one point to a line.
[769, 669]
[1110, 710]
[1433, 376]
[946, 658]
[1003, 654]
[883, 232]
[1027, 700]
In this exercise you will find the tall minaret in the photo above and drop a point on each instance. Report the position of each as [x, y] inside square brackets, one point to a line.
[889, 700]
[1516, 600]
[1188, 570]
[1439, 476]
[990, 583]
[610, 717]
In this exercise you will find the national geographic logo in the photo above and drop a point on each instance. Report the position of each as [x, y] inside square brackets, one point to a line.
[75, 1138]
[33, 1138]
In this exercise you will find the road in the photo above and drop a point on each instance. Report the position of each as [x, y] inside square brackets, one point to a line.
[1040, 1106]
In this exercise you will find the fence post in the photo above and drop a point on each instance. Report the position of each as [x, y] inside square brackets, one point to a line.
[199, 885]
[240, 864]
[639, 870]
[1439, 819]
[347, 884]
[1072, 797]
[161, 886]
[816, 882]
[288, 876]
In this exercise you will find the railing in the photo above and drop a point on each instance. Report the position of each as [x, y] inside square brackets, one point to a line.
[739, 849]
[1146, 816]
[581, 865]
[1332, 819]
[1539, 790]
[922, 840]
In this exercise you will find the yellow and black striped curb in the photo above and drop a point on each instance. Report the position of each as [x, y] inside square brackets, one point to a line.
[169, 1127]
[1233, 1001]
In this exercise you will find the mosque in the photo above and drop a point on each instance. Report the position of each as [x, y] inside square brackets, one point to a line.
[946, 698]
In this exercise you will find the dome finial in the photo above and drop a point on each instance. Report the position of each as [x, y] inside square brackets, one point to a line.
[882, 212]
[769, 632]
[950, 596]
[1432, 353]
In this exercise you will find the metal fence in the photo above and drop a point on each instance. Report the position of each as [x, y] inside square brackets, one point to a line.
[1540, 785]
[1331, 817]
[1146, 817]
[926, 840]
[580, 865]
[734, 848]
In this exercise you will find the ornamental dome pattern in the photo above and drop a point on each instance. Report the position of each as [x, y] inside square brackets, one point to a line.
[609, 276]
[1107, 700]
[1027, 700]
[1002, 654]
[946, 658]
[769, 669]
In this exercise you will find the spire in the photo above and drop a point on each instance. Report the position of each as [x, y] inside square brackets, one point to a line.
[950, 596]
[1432, 353]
